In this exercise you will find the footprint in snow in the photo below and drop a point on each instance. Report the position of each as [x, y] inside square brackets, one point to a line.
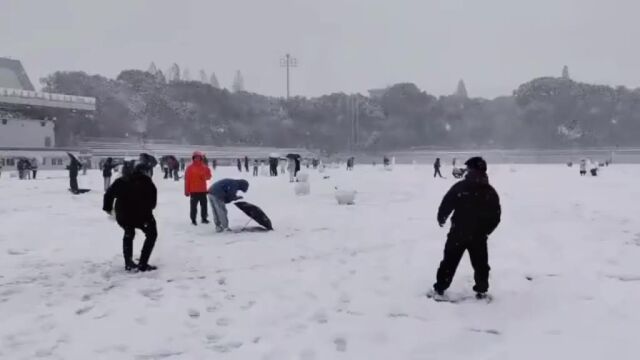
[320, 317]
[227, 347]
[486, 331]
[223, 322]
[213, 338]
[193, 313]
[341, 344]
[152, 294]
[84, 310]
[248, 305]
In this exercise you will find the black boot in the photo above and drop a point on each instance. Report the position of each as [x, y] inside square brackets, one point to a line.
[130, 265]
[146, 267]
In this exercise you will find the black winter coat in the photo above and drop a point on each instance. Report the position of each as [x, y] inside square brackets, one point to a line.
[135, 196]
[475, 206]
[107, 169]
[73, 168]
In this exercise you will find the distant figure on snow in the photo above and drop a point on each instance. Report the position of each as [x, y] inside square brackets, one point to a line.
[74, 168]
[246, 163]
[135, 196]
[436, 168]
[239, 163]
[291, 167]
[476, 214]
[107, 172]
[255, 167]
[34, 167]
[223, 192]
[583, 167]
[195, 186]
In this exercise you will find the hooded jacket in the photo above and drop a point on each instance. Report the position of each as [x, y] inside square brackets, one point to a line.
[475, 205]
[196, 176]
[226, 189]
[135, 197]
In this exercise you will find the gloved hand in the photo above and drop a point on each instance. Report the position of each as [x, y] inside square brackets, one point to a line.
[186, 194]
[441, 223]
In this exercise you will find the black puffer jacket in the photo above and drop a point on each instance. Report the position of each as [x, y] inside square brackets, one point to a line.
[135, 196]
[474, 203]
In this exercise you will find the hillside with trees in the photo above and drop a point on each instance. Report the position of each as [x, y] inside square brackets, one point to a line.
[543, 113]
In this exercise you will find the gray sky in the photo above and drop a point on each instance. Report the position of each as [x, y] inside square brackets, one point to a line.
[341, 45]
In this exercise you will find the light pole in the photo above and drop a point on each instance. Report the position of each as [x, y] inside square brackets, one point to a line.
[288, 62]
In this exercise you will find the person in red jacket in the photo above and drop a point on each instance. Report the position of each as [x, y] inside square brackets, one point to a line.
[195, 186]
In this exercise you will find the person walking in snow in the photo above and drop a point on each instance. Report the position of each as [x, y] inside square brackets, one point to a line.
[195, 187]
[436, 168]
[246, 163]
[221, 193]
[255, 167]
[239, 163]
[135, 196]
[476, 213]
[107, 172]
[34, 167]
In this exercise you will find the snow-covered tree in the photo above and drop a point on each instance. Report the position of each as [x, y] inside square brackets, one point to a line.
[214, 81]
[186, 75]
[152, 69]
[238, 82]
[160, 77]
[173, 74]
[461, 91]
[565, 72]
[203, 77]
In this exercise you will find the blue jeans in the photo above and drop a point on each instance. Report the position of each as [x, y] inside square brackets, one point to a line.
[219, 212]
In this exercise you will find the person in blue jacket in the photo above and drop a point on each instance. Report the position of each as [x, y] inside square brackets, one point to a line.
[223, 192]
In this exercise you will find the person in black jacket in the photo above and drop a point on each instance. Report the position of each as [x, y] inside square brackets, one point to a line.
[107, 171]
[74, 167]
[476, 214]
[135, 196]
[436, 168]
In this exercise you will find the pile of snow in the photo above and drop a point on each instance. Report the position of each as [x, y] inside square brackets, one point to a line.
[302, 187]
[345, 197]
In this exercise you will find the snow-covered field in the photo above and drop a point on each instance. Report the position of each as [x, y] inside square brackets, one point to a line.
[332, 282]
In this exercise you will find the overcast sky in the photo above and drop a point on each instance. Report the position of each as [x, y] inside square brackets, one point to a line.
[341, 45]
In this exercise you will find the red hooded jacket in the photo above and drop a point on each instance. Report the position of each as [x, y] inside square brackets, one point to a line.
[195, 177]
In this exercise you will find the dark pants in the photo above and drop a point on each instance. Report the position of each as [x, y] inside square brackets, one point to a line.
[255, 171]
[35, 172]
[73, 184]
[200, 198]
[453, 251]
[150, 231]
[436, 172]
[166, 173]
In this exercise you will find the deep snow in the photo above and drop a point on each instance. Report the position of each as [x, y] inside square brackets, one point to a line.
[332, 282]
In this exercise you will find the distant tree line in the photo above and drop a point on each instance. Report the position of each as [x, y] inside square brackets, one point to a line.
[543, 113]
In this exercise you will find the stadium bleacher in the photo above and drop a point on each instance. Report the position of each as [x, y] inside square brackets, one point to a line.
[127, 147]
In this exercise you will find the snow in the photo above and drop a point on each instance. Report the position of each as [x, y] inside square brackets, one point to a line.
[331, 282]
